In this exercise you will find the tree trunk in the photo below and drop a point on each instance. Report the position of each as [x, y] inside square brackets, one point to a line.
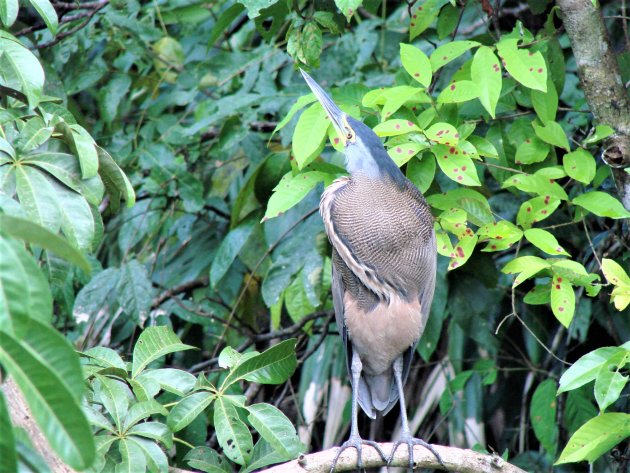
[604, 90]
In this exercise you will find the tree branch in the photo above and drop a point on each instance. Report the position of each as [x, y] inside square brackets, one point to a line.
[602, 84]
[455, 459]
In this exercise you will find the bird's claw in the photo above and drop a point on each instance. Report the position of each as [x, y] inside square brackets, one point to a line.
[357, 443]
[411, 441]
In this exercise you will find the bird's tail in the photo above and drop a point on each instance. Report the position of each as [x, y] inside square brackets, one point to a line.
[377, 393]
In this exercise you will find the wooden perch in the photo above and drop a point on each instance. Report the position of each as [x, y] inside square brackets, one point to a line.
[455, 459]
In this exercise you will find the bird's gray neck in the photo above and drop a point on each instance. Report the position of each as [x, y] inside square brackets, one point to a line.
[375, 165]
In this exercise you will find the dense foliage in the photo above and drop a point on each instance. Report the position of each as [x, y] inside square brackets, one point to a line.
[160, 171]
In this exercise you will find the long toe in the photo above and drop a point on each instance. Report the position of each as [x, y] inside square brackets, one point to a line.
[411, 442]
[357, 443]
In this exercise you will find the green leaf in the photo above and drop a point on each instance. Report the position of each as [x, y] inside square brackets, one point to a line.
[614, 273]
[536, 209]
[273, 366]
[116, 183]
[154, 343]
[290, 190]
[170, 379]
[601, 204]
[140, 411]
[596, 437]
[586, 368]
[601, 132]
[132, 457]
[483, 146]
[8, 14]
[526, 67]
[460, 91]
[24, 291]
[187, 410]
[562, 300]
[580, 165]
[543, 415]
[105, 357]
[155, 457]
[423, 15]
[8, 457]
[113, 394]
[232, 433]
[499, 235]
[20, 69]
[485, 73]
[112, 94]
[48, 14]
[207, 460]
[311, 43]
[395, 97]
[154, 431]
[300, 103]
[275, 428]
[545, 241]
[37, 197]
[526, 267]
[33, 134]
[443, 133]
[421, 171]
[531, 151]
[309, 134]
[135, 291]
[455, 165]
[53, 402]
[225, 19]
[545, 103]
[450, 51]
[416, 64]
[395, 127]
[610, 382]
[404, 152]
[348, 7]
[264, 454]
[553, 134]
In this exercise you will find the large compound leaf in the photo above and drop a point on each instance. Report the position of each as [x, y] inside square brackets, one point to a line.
[153, 343]
[232, 433]
[52, 400]
[20, 68]
[273, 366]
[187, 410]
[275, 428]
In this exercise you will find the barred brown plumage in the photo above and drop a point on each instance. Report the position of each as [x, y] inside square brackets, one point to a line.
[384, 264]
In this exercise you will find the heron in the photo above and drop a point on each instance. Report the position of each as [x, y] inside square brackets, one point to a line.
[383, 273]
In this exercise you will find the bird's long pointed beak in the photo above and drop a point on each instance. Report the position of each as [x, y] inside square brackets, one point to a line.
[334, 112]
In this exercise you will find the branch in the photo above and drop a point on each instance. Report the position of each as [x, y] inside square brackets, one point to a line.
[455, 459]
[602, 84]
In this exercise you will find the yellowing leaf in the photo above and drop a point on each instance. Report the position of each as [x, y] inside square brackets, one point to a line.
[526, 67]
[545, 241]
[536, 209]
[525, 267]
[499, 235]
[457, 166]
[485, 72]
[416, 64]
[449, 51]
[395, 127]
[562, 300]
[404, 152]
[460, 91]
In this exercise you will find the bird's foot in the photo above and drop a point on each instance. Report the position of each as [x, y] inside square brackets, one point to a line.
[411, 441]
[357, 443]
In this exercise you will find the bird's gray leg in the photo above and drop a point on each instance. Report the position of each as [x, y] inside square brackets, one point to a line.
[355, 439]
[406, 436]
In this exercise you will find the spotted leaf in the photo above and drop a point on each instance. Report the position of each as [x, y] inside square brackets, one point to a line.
[443, 133]
[544, 241]
[536, 209]
[526, 67]
[395, 127]
[460, 91]
[449, 51]
[404, 152]
[562, 300]
[456, 165]
[485, 72]
[499, 235]
[416, 63]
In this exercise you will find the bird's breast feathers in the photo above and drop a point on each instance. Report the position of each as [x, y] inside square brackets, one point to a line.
[382, 232]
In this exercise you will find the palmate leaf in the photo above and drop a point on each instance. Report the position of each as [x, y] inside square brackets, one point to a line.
[273, 366]
[8, 457]
[187, 410]
[51, 390]
[154, 343]
[207, 460]
[232, 433]
[20, 68]
[275, 428]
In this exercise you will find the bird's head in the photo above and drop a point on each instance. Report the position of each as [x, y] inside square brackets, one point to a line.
[364, 150]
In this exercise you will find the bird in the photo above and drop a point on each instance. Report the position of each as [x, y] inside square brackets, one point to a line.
[383, 273]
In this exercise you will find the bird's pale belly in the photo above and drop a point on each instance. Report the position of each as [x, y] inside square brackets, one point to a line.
[383, 334]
